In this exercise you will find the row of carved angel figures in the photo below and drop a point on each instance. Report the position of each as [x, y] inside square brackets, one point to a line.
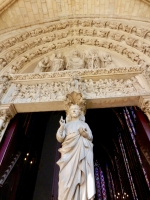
[76, 60]
[89, 88]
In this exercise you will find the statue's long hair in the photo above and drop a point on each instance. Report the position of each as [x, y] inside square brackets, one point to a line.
[81, 117]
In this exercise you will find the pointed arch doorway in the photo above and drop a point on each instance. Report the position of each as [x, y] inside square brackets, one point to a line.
[119, 172]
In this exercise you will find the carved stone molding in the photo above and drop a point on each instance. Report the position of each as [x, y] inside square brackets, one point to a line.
[144, 104]
[4, 4]
[130, 41]
[147, 1]
[72, 26]
[7, 112]
[106, 72]
[9, 169]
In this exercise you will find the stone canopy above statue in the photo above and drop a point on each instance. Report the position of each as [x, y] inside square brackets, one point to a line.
[75, 59]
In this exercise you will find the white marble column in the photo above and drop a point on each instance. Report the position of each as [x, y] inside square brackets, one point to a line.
[7, 112]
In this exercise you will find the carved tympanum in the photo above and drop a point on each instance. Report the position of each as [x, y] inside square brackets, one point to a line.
[75, 60]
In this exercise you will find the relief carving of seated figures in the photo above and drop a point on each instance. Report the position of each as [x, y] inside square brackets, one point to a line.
[43, 66]
[58, 63]
[92, 61]
[107, 61]
[75, 61]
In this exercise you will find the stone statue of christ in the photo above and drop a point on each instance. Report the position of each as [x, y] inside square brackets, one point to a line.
[76, 176]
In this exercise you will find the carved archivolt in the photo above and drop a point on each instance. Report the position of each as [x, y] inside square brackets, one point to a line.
[4, 4]
[21, 49]
[72, 26]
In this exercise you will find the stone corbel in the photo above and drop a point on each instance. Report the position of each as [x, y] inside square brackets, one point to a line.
[144, 104]
[7, 112]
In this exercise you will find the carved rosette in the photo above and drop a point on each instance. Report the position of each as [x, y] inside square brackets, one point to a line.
[7, 112]
[144, 104]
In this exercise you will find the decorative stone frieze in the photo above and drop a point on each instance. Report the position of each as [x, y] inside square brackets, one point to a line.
[7, 112]
[133, 70]
[54, 90]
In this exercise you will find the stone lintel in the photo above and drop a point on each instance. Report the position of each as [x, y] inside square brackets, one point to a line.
[91, 103]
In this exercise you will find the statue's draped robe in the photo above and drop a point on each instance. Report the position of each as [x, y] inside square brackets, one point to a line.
[76, 176]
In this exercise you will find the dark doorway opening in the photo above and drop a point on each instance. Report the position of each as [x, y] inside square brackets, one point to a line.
[115, 156]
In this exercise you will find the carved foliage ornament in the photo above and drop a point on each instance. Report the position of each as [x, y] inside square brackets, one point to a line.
[75, 98]
[146, 108]
[81, 72]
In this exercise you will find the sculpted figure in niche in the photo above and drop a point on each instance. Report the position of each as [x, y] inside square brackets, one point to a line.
[75, 61]
[138, 31]
[58, 63]
[43, 66]
[92, 61]
[107, 61]
[76, 175]
[3, 63]
[137, 85]
[112, 25]
[100, 24]
[103, 34]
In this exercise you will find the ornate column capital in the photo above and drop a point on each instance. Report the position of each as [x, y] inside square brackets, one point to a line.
[144, 104]
[9, 108]
[7, 112]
